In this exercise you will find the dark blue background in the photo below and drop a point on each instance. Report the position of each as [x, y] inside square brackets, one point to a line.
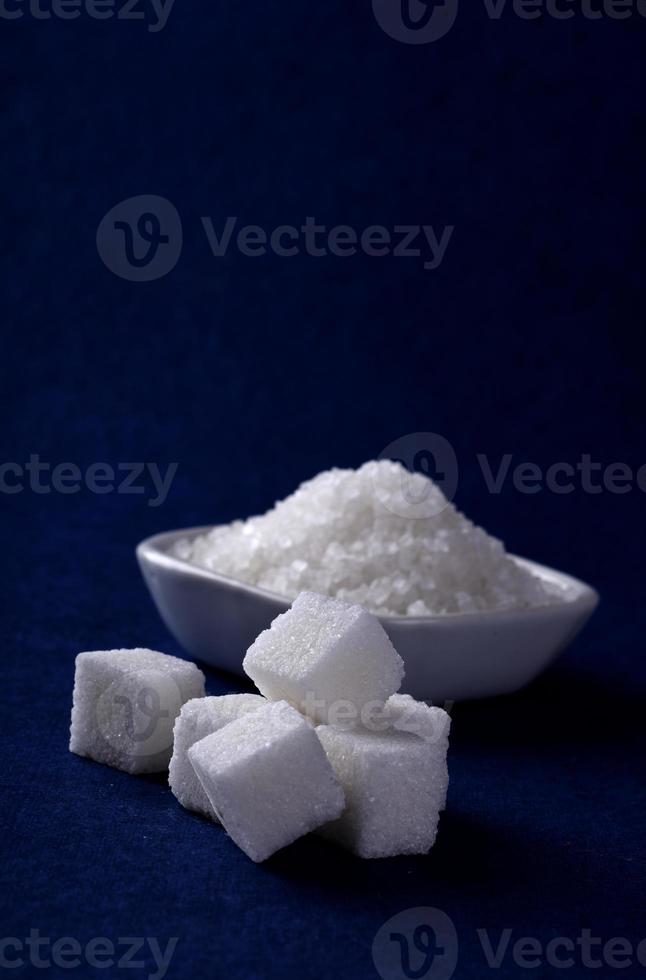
[255, 373]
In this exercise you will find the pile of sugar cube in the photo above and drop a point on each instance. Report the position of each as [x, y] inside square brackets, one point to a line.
[328, 744]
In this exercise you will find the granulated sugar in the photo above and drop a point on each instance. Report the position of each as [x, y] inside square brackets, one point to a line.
[363, 536]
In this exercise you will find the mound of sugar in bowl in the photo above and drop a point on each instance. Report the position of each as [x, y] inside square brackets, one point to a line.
[267, 778]
[197, 719]
[378, 536]
[125, 705]
[395, 786]
[323, 654]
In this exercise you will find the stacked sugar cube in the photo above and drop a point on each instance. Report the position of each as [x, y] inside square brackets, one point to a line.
[268, 779]
[329, 659]
[274, 766]
[199, 718]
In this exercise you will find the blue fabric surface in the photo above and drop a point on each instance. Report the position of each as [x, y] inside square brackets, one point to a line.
[255, 373]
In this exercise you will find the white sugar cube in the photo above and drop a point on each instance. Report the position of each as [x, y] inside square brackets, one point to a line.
[394, 786]
[428, 722]
[323, 654]
[197, 719]
[268, 779]
[125, 705]
[407, 715]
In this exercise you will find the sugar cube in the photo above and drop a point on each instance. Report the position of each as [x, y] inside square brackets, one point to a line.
[197, 719]
[322, 654]
[268, 779]
[125, 705]
[407, 715]
[394, 787]
[428, 722]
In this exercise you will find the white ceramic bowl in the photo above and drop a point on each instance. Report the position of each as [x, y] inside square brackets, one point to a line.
[447, 658]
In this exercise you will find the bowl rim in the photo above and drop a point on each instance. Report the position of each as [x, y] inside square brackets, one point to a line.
[582, 597]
